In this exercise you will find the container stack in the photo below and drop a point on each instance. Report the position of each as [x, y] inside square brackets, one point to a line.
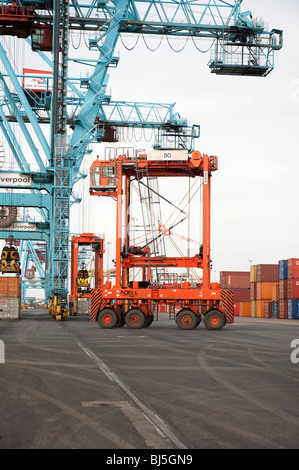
[281, 307]
[10, 298]
[292, 289]
[239, 283]
[264, 286]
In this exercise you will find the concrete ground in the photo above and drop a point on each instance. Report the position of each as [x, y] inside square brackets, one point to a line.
[73, 385]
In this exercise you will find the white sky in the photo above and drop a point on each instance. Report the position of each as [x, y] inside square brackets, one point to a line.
[250, 123]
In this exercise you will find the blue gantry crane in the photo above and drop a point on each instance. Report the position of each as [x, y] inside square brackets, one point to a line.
[60, 115]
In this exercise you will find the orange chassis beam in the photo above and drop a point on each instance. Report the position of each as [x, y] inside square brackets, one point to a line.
[213, 297]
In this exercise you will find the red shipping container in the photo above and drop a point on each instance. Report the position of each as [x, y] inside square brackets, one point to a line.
[235, 279]
[293, 288]
[237, 309]
[275, 291]
[267, 273]
[283, 309]
[241, 295]
[293, 268]
[253, 290]
[268, 309]
[282, 289]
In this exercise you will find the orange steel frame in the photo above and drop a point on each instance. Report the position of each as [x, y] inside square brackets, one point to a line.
[97, 243]
[121, 294]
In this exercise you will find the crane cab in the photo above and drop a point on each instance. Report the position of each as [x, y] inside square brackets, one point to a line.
[103, 178]
[10, 259]
[83, 279]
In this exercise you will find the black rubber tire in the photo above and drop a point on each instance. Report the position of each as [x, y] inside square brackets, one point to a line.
[186, 319]
[135, 318]
[214, 320]
[107, 318]
[148, 320]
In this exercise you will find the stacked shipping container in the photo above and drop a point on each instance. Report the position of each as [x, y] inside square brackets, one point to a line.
[268, 291]
[263, 289]
[290, 302]
[10, 298]
[239, 283]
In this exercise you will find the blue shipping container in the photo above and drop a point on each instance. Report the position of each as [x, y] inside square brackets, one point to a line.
[295, 313]
[275, 309]
[283, 269]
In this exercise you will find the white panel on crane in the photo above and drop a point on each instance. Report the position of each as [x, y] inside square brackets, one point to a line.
[14, 179]
[167, 155]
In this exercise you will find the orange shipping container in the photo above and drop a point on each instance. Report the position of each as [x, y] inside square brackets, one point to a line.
[264, 290]
[245, 309]
[10, 286]
[260, 308]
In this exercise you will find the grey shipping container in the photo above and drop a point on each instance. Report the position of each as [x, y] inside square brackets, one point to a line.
[10, 308]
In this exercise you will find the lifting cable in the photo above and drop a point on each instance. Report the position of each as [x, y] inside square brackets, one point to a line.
[203, 52]
[152, 50]
[197, 179]
[175, 50]
[72, 35]
[162, 234]
[129, 48]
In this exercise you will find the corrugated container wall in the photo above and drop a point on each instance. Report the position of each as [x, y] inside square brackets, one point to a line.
[268, 309]
[252, 273]
[241, 295]
[282, 289]
[235, 279]
[283, 269]
[10, 308]
[10, 286]
[275, 309]
[267, 273]
[293, 288]
[283, 309]
[275, 291]
[264, 290]
[245, 309]
[293, 268]
[295, 309]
